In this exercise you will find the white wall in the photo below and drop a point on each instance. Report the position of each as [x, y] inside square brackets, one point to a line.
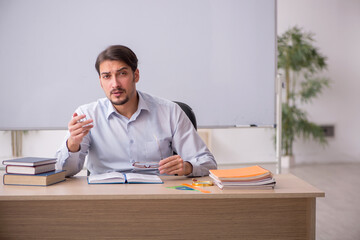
[243, 145]
[5, 145]
[336, 25]
[35, 143]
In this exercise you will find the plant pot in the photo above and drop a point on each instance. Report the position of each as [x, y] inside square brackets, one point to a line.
[287, 161]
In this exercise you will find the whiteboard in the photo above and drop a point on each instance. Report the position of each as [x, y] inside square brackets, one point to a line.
[218, 56]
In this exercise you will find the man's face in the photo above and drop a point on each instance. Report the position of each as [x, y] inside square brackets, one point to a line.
[118, 81]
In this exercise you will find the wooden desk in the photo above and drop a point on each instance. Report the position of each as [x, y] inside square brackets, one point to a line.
[75, 210]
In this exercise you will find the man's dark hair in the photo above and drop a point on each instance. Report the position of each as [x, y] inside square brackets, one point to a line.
[117, 53]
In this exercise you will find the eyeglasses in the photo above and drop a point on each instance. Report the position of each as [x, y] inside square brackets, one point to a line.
[149, 165]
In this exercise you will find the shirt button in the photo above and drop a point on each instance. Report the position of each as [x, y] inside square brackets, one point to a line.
[131, 141]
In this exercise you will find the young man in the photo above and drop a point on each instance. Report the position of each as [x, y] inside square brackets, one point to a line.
[130, 128]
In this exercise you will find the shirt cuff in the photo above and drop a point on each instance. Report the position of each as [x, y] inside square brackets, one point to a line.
[197, 171]
[66, 152]
[65, 155]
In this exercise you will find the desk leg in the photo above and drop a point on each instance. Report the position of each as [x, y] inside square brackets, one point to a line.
[311, 218]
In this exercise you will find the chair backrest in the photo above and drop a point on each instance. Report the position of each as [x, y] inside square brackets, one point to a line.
[189, 112]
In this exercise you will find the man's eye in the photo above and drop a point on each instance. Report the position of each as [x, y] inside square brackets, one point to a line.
[106, 76]
[123, 73]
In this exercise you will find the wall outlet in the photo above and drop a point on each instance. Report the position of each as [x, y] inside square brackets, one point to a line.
[329, 130]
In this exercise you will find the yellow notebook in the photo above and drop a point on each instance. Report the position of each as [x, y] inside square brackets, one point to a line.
[253, 172]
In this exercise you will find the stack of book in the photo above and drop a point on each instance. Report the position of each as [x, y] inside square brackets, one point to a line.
[32, 171]
[254, 177]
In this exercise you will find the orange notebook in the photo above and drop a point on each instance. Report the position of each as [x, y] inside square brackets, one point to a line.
[252, 172]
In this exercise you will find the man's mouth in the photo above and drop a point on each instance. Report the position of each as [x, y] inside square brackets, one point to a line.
[117, 92]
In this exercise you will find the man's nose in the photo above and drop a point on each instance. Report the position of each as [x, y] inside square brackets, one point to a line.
[115, 82]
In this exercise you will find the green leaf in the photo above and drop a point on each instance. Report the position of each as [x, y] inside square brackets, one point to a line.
[301, 62]
[311, 88]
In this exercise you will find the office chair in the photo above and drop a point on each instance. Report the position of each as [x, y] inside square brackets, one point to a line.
[189, 112]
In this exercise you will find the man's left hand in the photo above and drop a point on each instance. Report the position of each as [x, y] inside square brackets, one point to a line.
[175, 165]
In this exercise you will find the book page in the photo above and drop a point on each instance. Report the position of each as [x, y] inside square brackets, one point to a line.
[110, 177]
[142, 178]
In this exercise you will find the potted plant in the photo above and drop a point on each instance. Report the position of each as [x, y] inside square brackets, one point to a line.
[300, 62]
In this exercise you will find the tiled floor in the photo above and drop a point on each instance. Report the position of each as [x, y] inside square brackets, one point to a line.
[338, 214]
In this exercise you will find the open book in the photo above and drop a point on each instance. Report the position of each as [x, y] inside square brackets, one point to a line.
[117, 177]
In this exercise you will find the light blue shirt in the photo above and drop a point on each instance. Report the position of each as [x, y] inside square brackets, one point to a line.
[153, 132]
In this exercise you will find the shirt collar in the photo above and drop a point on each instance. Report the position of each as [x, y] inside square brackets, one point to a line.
[142, 105]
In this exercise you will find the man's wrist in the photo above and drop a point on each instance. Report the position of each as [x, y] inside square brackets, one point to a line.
[188, 168]
[72, 147]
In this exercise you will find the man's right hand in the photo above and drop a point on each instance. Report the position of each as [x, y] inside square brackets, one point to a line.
[78, 128]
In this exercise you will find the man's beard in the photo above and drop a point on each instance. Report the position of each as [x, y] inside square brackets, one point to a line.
[119, 102]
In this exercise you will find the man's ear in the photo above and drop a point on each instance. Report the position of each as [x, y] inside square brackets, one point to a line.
[136, 75]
